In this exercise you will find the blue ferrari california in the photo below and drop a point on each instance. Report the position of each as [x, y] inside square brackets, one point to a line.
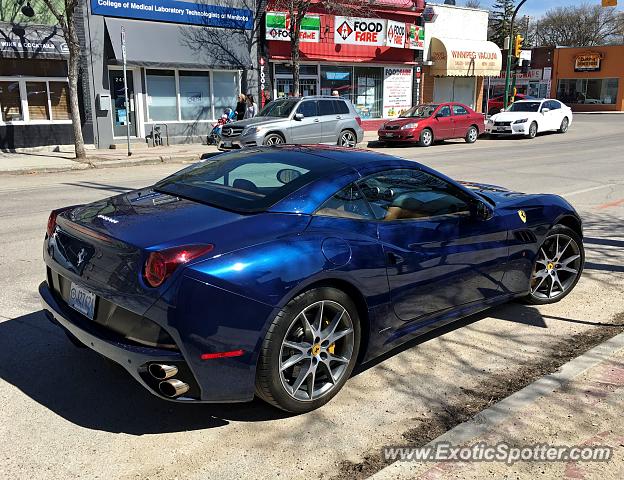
[274, 270]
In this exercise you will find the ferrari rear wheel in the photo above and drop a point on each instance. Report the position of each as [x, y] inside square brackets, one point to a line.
[309, 351]
[558, 266]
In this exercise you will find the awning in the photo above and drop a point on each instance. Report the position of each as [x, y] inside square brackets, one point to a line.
[32, 41]
[465, 58]
[153, 44]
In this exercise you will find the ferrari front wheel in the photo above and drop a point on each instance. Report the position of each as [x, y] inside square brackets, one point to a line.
[558, 266]
[309, 351]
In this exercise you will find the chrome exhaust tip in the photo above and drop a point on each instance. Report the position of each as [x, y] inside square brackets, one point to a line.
[173, 388]
[162, 372]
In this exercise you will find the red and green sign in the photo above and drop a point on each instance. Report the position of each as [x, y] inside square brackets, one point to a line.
[278, 27]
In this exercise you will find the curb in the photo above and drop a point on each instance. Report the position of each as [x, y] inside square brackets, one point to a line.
[496, 414]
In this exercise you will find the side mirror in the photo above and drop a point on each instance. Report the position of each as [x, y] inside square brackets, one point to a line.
[545, 110]
[483, 211]
[298, 117]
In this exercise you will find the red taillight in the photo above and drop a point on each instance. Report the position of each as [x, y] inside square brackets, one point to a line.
[52, 219]
[358, 120]
[160, 265]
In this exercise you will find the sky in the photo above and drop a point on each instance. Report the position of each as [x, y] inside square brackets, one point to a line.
[536, 8]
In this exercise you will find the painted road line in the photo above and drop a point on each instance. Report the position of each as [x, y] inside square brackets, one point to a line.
[489, 418]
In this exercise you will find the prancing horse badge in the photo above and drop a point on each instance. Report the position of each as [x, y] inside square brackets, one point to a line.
[522, 215]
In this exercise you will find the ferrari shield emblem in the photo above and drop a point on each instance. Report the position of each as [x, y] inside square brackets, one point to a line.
[522, 215]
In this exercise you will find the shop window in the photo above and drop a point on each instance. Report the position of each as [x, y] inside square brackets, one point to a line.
[161, 95]
[339, 79]
[10, 102]
[588, 91]
[59, 100]
[304, 70]
[37, 95]
[195, 102]
[368, 91]
[226, 89]
[307, 87]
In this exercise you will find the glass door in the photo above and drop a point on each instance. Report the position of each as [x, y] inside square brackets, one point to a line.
[118, 101]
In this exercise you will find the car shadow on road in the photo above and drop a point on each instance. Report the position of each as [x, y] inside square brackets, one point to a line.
[93, 392]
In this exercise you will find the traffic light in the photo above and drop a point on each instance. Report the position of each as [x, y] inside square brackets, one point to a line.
[518, 45]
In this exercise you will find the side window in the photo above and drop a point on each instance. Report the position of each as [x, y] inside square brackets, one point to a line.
[459, 110]
[347, 203]
[326, 107]
[554, 105]
[340, 107]
[308, 108]
[411, 194]
[444, 111]
[545, 105]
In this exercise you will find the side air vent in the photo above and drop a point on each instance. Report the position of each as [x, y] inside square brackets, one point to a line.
[525, 236]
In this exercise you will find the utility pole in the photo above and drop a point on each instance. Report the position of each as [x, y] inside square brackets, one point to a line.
[509, 56]
[125, 84]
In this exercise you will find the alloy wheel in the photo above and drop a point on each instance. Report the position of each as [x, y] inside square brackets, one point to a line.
[347, 139]
[557, 267]
[316, 350]
[274, 140]
[426, 137]
[564, 125]
[533, 130]
[472, 134]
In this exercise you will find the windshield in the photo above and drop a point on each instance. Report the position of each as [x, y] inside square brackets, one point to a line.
[420, 111]
[246, 182]
[524, 107]
[279, 108]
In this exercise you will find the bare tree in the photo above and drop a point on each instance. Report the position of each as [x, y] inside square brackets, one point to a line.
[500, 20]
[297, 10]
[585, 25]
[473, 4]
[67, 18]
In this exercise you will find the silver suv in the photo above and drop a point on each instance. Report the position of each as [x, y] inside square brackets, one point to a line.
[306, 120]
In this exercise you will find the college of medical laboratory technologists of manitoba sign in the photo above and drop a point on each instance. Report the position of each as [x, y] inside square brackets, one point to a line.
[176, 12]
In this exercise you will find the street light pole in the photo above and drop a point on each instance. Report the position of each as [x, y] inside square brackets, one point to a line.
[508, 69]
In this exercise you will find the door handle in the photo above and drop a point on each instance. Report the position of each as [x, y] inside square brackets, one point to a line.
[338, 117]
[316, 120]
[394, 259]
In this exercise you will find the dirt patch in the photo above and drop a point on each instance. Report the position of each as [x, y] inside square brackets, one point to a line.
[491, 390]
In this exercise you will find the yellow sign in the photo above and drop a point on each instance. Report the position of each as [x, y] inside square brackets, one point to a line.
[587, 62]
[609, 3]
[522, 215]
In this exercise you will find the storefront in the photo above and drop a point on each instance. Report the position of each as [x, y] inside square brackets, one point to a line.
[589, 79]
[34, 93]
[186, 63]
[458, 55]
[371, 61]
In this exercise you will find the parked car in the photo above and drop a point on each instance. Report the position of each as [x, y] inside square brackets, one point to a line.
[530, 117]
[297, 120]
[274, 270]
[424, 124]
[495, 104]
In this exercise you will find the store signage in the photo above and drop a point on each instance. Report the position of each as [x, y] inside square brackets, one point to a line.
[587, 62]
[395, 34]
[360, 31]
[176, 12]
[44, 43]
[262, 76]
[397, 92]
[416, 38]
[278, 27]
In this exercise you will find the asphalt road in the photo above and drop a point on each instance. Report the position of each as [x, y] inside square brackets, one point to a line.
[68, 413]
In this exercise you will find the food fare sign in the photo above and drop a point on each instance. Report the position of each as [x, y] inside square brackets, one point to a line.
[360, 31]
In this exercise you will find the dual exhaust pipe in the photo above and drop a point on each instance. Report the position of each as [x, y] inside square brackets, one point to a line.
[169, 387]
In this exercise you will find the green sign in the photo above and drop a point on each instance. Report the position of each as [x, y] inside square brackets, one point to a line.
[278, 27]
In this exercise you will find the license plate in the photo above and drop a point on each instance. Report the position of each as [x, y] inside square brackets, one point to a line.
[500, 129]
[227, 144]
[82, 300]
[389, 135]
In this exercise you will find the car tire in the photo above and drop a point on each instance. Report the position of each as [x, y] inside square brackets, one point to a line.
[426, 138]
[347, 138]
[279, 372]
[558, 259]
[532, 130]
[472, 134]
[565, 123]
[273, 139]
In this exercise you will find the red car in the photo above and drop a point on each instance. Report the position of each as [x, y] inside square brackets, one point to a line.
[427, 123]
[495, 104]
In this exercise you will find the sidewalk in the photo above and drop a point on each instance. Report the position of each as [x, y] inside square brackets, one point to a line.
[42, 161]
[580, 405]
